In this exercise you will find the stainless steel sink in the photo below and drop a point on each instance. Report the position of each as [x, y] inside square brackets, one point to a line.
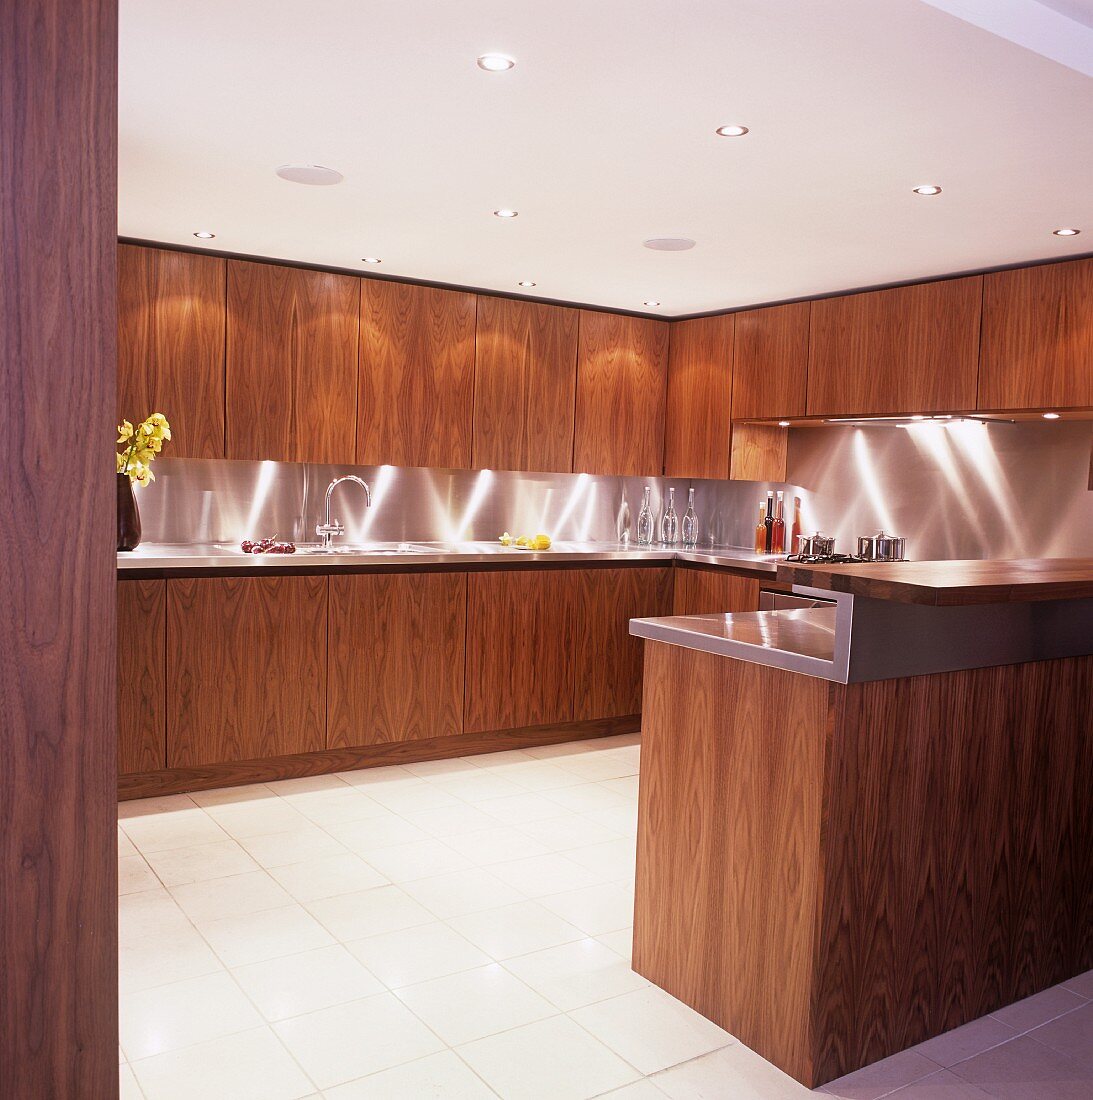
[386, 549]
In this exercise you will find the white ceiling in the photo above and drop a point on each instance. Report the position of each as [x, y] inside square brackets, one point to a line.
[601, 137]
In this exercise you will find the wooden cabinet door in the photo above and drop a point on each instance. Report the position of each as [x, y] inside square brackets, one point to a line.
[291, 363]
[700, 386]
[905, 350]
[416, 378]
[396, 657]
[712, 592]
[609, 659]
[1038, 337]
[770, 371]
[622, 368]
[525, 378]
[246, 668]
[171, 345]
[142, 676]
[521, 627]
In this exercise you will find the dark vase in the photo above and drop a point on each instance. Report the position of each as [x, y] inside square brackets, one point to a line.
[128, 515]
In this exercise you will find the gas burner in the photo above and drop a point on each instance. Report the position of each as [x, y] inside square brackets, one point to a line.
[825, 559]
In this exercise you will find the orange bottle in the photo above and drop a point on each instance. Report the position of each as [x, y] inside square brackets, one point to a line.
[761, 528]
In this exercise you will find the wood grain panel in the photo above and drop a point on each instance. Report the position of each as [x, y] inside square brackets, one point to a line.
[171, 309]
[291, 363]
[246, 668]
[759, 452]
[521, 665]
[712, 591]
[770, 372]
[1037, 337]
[700, 386]
[58, 680]
[416, 375]
[905, 350]
[142, 676]
[609, 660]
[622, 369]
[396, 657]
[524, 385]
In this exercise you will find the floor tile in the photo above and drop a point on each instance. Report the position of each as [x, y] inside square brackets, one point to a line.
[650, 1029]
[576, 974]
[306, 842]
[537, 876]
[479, 787]
[265, 935]
[411, 797]
[233, 896]
[297, 984]
[365, 837]
[550, 1060]
[943, 1085]
[180, 828]
[499, 761]
[643, 1089]
[391, 776]
[178, 866]
[125, 846]
[224, 796]
[369, 912]
[596, 767]
[515, 929]
[439, 1075]
[1082, 985]
[623, 819]
[615, 859]
[331, 807]
[267, 815]
[881, 1078]
[417, 954]
[585, 797]
[250, 1066]
[501, 844]
[1038, 1009]
[340, 1044]
[128, 1089]
[1024, 1069]
[1071, 1035]
[621, 942]
[541, 775]
[306, 784]
[445, 821]
[626, 785]
[563, 834]
[432, 769]
[135, 875]
[327, 876]
[731, 1073]
[459, 892]
[419, 859]
[965, 1042]
[157, 944]
[170, 1017]
[595, 910]
[475, 1003]
[154, 807]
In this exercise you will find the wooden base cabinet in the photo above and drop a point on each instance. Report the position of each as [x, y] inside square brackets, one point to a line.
[142, 676]
[698, 591]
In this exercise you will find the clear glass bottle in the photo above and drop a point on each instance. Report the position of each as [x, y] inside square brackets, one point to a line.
[645, 520]
[669, 522]
[690, 523]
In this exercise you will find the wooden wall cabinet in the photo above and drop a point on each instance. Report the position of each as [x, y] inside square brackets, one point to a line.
[1037, 337]
[246, 668]
[905, 350]
[770, 371]
[698, 591]
[416, 377]
[700, 387]
[171, 345]
[524, 384]
[396, 657]
[142, 676]
[291, 363]
[622, 370]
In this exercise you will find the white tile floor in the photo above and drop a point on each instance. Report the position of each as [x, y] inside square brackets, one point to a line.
[460, 928]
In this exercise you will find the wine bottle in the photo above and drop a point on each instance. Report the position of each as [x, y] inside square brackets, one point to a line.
[690, 523]
[769, 521]
[645, 520]
[669, 522]
[761, 528]
[795, 534]
[778, 528]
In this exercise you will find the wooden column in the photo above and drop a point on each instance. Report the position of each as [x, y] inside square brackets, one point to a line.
[58, 743]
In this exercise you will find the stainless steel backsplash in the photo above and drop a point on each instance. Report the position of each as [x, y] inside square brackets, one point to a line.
[204, 501]
[960, 490]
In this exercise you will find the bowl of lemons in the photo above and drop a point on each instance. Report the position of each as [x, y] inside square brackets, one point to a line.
[525, 542]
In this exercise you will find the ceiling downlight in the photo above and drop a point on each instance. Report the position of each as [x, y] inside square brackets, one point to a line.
[494, 62]
[313, 175]
[731, 131]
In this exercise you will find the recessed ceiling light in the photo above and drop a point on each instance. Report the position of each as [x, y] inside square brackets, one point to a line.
[669, 244]
[927, 189]
[731, 131]
[1051, 416]
[504, 212]
[204, 234]
[525, 282]
[1065, 232]
[783, 423]
[371, 260]
[313, 174]
[651, 302]
[494, 62]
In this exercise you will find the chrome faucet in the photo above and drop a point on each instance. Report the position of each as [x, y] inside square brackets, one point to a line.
[329, 528]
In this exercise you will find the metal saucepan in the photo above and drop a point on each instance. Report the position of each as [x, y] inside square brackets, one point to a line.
[882, 547]
[810, 546]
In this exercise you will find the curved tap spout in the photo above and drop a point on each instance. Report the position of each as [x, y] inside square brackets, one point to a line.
[329, 528]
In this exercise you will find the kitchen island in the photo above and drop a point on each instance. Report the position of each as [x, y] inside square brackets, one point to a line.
[864, 824]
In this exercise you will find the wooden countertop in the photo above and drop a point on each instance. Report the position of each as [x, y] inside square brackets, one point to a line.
[952, 583]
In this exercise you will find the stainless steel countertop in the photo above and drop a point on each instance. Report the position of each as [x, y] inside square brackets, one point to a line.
[213, 557]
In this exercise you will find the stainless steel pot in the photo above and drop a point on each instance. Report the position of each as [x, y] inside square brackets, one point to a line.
[811, 546]
[882, 547]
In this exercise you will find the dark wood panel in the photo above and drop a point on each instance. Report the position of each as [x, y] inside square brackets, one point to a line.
[759, 452]
[712, 592]
[210, 776]
[171, 308]
[609, 660]
[246, 668]
[1037, 337]
[142, 676]
[291, 363]
[905, 350]
[770, 372]
[700, 386]
[524, 384]
[416, 378]
[58, 680]
[622, 369]
[521, 665]
[396, 657]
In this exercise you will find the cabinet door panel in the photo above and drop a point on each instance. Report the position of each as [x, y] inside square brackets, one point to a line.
[905, 350]
[770, 368]
[142, 676]
[396, 657]
[171, 345]
[700, 386]
[291, 363]
[712, 592]
[759, 452]
[609, 659]
[525, 378]
[622, 368]
[520, 648]
[246, 668]
[416, 378]
[1038, 337]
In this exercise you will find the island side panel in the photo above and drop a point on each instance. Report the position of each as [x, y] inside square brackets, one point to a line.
[729, 844]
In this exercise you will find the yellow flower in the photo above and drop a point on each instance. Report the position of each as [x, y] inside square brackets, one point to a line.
[121, 463]
[125, 431]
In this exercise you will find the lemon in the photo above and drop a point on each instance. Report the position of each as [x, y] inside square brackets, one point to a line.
[542, 542]
[506, 539]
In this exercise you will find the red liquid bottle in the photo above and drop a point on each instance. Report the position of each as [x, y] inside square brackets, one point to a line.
[778, 528]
